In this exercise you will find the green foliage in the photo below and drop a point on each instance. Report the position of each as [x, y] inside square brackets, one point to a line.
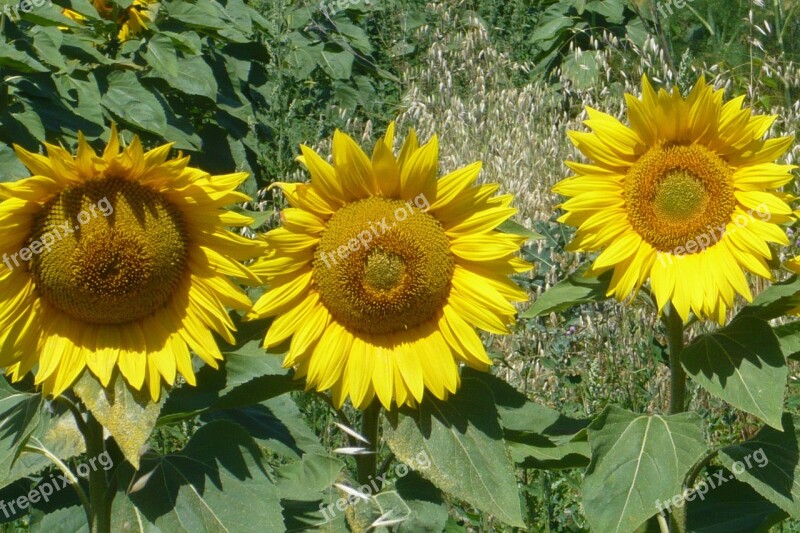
[742, 364]
[637, 461]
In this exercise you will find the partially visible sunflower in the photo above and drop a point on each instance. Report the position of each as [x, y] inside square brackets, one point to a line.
[381, 272]
[117, 261]
[131, 20]
[685, 197]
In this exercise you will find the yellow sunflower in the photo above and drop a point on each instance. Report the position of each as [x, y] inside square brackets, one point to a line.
[119, 260]
[131, 21]
[685, 197]
[380, 272]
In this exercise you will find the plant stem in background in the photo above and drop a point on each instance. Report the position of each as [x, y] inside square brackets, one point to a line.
[677, 376]
[367, 463]
[98, 484]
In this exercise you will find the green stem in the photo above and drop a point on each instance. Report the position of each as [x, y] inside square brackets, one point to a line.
[98, 484]
[38, 447]
[367, 464]
[677, 389]
[677, 376]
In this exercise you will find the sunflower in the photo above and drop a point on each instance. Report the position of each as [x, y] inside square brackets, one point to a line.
[685, 197]
[380, 272]
[119, 260]
[131, 20]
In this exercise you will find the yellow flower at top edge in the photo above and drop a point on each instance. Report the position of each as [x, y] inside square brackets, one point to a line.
[118, 261]
[685, 197]
[131, 21]
[381, 272]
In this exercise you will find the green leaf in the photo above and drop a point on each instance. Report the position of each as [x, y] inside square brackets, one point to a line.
[203, 14]
[305, 480]
[59, 435]
[248, 376]
[20, 61]
[134, 105]
[464, 444]
[574, 290]
[20, 416]
[742, 364]
[730, 508]
[47, 43]
[194, 77]
[776, 300]
[66, 520]
[770, 463]
[161, 56]
[276, 424]
[338, 64]
[11, 168]
[537, 436]
[637, 461]
[789, 338]
[128, 415]
[428, 511]
[509, 226]
[219, 482]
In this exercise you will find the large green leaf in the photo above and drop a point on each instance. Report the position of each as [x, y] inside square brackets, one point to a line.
[742, 364]
[161, 56]
[65, 520]
[276, 424]
[776, 300]
[20, 416]
[789, 338]
[462, 442]
[202, 14]
[11, 168]
[128, 415]
[219, 482]
[574, 290]
[427, 509]
[770, 463]
[306, 479]
[194, 77]
[58, 435]
[537, 436]
[133, 104]
[637, 461]
[20, 61]
[730, 508]
[247, 376]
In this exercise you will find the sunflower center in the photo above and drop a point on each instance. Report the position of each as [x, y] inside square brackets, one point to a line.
[112, 251]
[383, 266]
[383, 271]
[679, 194]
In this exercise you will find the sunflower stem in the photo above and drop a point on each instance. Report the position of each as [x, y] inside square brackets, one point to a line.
[677, 376]
[98, 484]
[367, 463]
[677, 388]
